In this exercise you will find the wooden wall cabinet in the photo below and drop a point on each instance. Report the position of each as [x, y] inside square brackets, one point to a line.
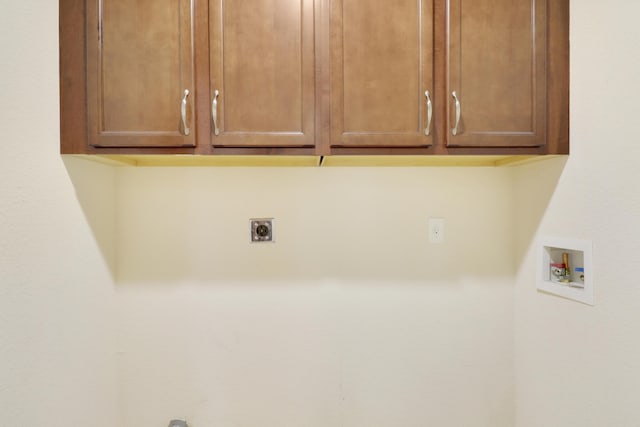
[496, 73]
[262, 73]
[140, 73]
[381, 75]
[314, 77]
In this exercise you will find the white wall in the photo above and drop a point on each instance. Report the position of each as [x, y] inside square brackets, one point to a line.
[57, 366]
[332, 324]
[351, 318]
[578, 365]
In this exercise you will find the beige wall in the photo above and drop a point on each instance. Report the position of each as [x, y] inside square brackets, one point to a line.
[57, 364]
[578, 365]
[335, 323]
[351, 318]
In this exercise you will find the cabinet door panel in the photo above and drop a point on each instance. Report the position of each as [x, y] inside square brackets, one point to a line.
[496, 66]
[140, 63]
[381, 56]
[262, 65]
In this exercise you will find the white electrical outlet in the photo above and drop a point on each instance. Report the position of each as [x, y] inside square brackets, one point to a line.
[436, 230]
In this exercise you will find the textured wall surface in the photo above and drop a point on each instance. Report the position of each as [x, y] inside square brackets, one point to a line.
[351, 318]
[57, 364]
[579, 365]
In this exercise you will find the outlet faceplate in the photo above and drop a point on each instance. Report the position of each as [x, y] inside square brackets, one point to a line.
[436, 230]
[261, 230]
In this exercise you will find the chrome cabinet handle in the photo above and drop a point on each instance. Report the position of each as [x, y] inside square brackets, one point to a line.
[214, 112]
[455, 131]
[183, 113]
[427, 130]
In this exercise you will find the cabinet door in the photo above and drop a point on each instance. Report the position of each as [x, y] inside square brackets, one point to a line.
[496, 73]
[262, 73]
[140, 73]
[381, 67]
